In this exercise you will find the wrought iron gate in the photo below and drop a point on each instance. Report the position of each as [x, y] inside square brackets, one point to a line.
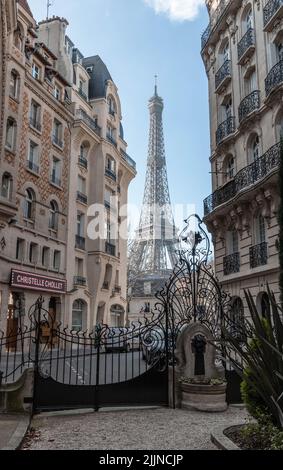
[122, 366]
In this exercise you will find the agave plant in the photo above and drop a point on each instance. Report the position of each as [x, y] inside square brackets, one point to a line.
[258, 350]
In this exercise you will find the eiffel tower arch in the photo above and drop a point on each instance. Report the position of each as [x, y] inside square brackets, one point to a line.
[152, 255]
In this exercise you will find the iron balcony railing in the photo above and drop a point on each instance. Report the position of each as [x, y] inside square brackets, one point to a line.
[91, 123]
[246, 177]
[231, 264]
[83, 161]
[247, 41]
[258, 255]
[274, 77]
[223, 73]
[111, 174]
[35, 124]
[270, 9]
[55, 179]
[111, 139]
[80, 242]
[215, 17]
[128, 159]
[57, 141]
[225, 129]
[249, 104]
[110, 249]
[32, 166]
[79, 281]
[81, 197]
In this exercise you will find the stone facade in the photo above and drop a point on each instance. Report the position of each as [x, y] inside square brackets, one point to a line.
[242, 52]
[55, 163]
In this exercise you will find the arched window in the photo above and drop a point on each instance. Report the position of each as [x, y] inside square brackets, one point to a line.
[7, 186]
[53, 215]
[11, 133]
[237, 319]
[79, 313]
[29, 204]
[117, 315]
[14, 84]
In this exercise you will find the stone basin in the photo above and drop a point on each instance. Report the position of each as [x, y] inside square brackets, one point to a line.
[204, 397]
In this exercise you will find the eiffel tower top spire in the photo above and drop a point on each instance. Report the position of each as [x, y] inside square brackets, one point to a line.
[153, 251]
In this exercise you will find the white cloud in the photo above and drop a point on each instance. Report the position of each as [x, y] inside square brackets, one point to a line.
[178, 10]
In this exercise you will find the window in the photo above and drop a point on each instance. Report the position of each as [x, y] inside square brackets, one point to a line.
[147, 307]
[57, 133]
[57, 93]
[229, 168]
[45, 256]
[19, 37]
[14, 84]
[56, 260]
[232, 242]
[7, 186]
[255, 148]
[11, 132]
[33, 157]
[225, 54]
[78, 315]
[249, 20]
[147, 288]
[260, 230]
[265, 305]
[29, 204]
[79, 267]
[33, 253]
[35, 115]
[250, 83]
[53, 215]
[111, 106]
[56, 171]
[237, 319]
[80, 224]
[35, 71]
[81, 185]
[20, 249]
[111, 164]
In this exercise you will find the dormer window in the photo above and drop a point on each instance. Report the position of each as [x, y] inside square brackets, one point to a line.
[111, 106]
[57, 93]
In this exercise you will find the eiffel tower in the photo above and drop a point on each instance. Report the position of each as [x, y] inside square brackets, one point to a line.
[153, 252]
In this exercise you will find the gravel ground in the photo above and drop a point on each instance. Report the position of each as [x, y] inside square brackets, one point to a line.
[152, 429]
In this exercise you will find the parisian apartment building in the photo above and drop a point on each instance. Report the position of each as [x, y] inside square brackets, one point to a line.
[242, 50]
[62, 153]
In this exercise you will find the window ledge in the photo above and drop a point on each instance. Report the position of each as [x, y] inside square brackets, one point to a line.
[33, 172]
[55, 185]
[58, 146]
[35, 129]
[12, 151]
[15, 98]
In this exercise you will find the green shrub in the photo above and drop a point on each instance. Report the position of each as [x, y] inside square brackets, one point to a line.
[262, 436]
[251, 398]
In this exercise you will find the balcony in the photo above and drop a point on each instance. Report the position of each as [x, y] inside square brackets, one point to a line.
[231, 264]
[80, 242]
[272, 12]
[111, 174]
[81, 197]
[225, 129]
[216, 16]
[249, 104]
[274, 78]
[110, 249]
[35, 124]
[82, 161]
[79, 281]
[246, 177]
[57, 141]
[258, 255]
[223, 76]
[91, 123]
[111, 139]
[82, 94]
[55, 179]
[128, 159]
[246, 46]
[33, 166]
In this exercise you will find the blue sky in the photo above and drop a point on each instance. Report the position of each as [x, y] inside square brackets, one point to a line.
[138, 39]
